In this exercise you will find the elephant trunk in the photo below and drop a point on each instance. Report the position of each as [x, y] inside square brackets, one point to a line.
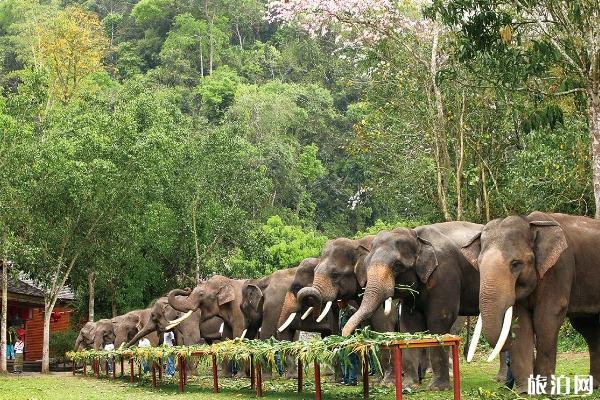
[309, 296]
[179, 304]
[289, 306]
[147, 329]
[78, 342]
[496, 312]
[380, 286]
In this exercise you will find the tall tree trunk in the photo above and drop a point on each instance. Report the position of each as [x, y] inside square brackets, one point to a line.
[461, 158]
[441, 140]
[114, 306]
[593, 94]
[3, 326]
[48, 308]
[91, 281]
[196, 243]
[486, 196]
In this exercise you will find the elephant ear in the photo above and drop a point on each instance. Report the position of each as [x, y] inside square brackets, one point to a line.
[472, 249]
[426, 261]
[360, 269]
[549, 243]
[254, 295]
[225, 294]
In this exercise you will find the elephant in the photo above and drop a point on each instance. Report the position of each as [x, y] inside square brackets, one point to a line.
[337, 277]
[539, 268]
[262, 303]
[288, 321]
[427, 260]
[105, 331]
[131, 324]
[217, 296]
[187, 332]
[85, 339]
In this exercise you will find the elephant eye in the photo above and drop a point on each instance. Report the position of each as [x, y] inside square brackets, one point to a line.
[516, 266]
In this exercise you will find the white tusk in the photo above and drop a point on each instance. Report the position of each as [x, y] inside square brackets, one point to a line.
[306, 313]
[388, 306]
[177, 321]
[474, 339]
[244, 333]
[324, 312]
[287, 322]
[503, 334]
[399, 311]
[221, 328]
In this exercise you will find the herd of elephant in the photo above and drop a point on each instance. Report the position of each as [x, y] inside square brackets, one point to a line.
[535, 270]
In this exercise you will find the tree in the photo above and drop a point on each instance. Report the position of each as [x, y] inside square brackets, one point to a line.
[565, 32]
[363, 26]
[70, 46]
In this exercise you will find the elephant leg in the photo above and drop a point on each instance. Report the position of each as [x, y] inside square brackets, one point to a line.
[503, 368]
[589, 328]
[226, 369]
[547, 319]
[410, 321]
[291, 370]
[521, 349]
[438, 323]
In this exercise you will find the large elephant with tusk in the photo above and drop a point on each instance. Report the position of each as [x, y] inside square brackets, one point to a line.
[336, 277]
[538, 269]
[425, 269]
[187, 331]
[217, 296]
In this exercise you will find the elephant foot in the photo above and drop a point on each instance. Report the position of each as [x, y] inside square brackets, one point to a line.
[438, 385]
[387, 380]
[500, 377]
[520, 389]
[408, 381]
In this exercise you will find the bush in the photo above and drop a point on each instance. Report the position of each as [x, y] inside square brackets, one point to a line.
[60, 343]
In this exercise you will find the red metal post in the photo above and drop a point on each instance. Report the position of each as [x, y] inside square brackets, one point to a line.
[456, 371]
[300, 376]
[252, 372]
[185, 371]
[98, 369]
[106, 367]
[215, 374]
[365, 375]
[398, 371]
[131, 370]
[181, 372]
[122, 366]
[114, 367]
[259, 385]
[317, 380]
[153, 374]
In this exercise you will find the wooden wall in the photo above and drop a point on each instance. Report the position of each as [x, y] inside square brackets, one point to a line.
[34, 330]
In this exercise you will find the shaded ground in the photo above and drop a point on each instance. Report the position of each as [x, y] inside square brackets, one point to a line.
[61, 386]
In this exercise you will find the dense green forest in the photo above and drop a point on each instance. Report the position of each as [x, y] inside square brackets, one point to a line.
[147, 143]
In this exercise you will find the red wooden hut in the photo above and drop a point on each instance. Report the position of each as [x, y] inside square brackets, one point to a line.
[26, 311]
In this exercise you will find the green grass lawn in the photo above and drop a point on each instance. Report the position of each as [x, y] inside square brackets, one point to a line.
[66, 387]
